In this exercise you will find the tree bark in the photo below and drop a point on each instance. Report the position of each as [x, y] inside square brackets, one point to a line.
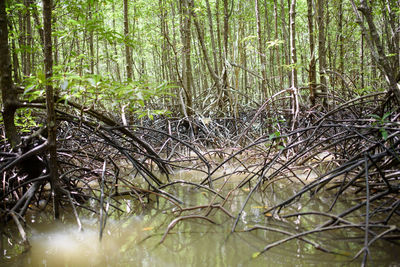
[261, 51]
[91, 38]
[29, 39]
[186, 54]
[284, 37]
[217, 17]
[127, 46]
[213, 46]
[293, 55]
[322, 49]
[37, 24]
[293, 62]
[372, 38]
[312, 73]
[341, 47]
[277, 52]
[51, 115]
[8, 92]
[213, 74]
[223, 98]
[114, 44]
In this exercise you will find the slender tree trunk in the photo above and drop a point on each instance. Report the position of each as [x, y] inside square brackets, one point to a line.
[213, 74]
[164, 51]
[293, 62]
[341, 45]
[114, 44]
[285, 37]
[37, 24]
[322, 49]
[186, 54]
[261, 52]
[224, 98]
[8, 93]
[22, 42]
[312, 73]
[362, 60]
[221, 59]
[51, 115]
[242, 50]
[270, 60]
[127, 46]
[91, 41]
[211, 27]
[293, 56]
[389, 70]
[277, 52]
[108, 59]
[15, 61]
[55, 38]
[29, 39]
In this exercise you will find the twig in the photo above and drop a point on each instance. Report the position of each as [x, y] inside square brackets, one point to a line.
[175, 221]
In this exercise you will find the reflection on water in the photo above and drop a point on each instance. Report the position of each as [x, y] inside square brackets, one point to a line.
[134, 241]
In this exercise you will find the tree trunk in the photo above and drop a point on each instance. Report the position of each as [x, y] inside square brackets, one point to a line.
[213, 74]
[22, 41]
[127, 46]
[285, 37]
[312, 74]
[321, 49]
[261, 52]
[214, 48]
[223, 98]
[91, 41]
[277, 52]
[186, 55]
[164, 50]
[293, 56]
[221, 59]
[114, 44]
[29, 39]
[293, 62]
[15, 61]
[51, 115]
[389, 70]
[341, 45]
[8, 93]
[362, 61]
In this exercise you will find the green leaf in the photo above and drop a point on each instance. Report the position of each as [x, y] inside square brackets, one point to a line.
[375, 116]
[29, 89]
[384, 134]
[255, 255]
[249, 38]
[386, 115]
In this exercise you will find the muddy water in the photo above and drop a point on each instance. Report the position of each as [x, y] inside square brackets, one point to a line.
[134, 240]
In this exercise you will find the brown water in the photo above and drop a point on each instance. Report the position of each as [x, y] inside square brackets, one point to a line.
[134, 240]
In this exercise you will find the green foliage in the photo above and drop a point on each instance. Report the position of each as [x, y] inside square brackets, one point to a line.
[35, 86]
[88, 90]
[136, 94]
[155, 39]
[25, 120]
[380, 122]
[274, 43]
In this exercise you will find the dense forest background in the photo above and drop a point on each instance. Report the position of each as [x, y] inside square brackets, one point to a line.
[209, 58]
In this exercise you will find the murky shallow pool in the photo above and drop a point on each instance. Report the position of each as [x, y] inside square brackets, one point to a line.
[135, 240]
